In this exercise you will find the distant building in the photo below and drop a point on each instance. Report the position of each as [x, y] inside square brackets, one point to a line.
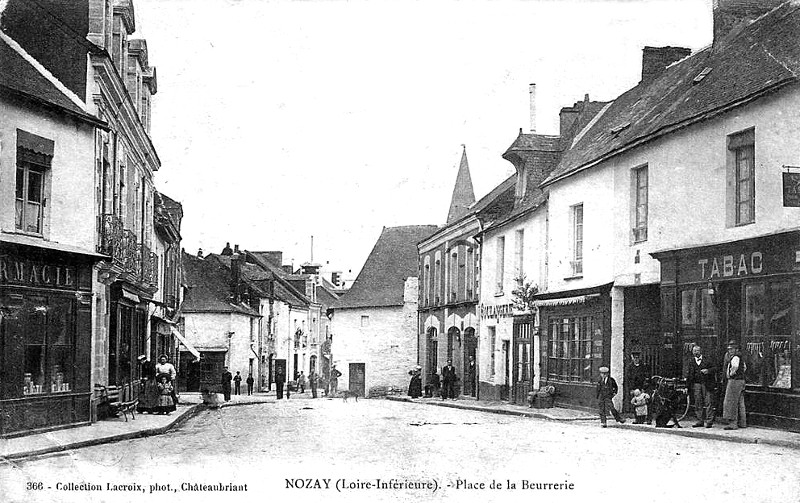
[375, 322]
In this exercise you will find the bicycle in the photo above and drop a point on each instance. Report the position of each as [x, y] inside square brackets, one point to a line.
[671, 398]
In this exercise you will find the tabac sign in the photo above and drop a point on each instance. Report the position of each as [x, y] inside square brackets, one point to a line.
[15, 271]
[729, 266]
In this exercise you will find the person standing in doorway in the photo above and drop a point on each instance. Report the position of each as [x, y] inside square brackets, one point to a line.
[280, 378]
[606, 390]
[334, 382]
[700, 380]
[250, 381]
[733, 409]
[226, 384]
[638, 379]
[237, 383]
[301, 382]
[472, 374]
[449, 380]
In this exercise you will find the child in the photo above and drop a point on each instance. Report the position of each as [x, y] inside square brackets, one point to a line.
[639, 401]
[165, 402]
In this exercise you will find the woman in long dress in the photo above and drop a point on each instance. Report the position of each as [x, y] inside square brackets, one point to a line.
[148, 399]
[415, 385]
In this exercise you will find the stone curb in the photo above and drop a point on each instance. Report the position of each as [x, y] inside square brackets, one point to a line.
[480, 408]
[177, 421]
[684, 432]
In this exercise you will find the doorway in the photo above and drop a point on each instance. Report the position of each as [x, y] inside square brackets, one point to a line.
[357, 378]
[470, 362]
[504, 388]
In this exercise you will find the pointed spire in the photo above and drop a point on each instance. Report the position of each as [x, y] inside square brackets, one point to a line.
[463, 194]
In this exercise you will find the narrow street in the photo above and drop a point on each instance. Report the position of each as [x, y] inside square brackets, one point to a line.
[278, 449]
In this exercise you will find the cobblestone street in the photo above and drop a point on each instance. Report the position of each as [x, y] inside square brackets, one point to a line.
[264, 445]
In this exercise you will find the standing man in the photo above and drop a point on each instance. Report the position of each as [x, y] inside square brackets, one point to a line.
[638, 378]
[280, 377]
[237, 383]
[301, 382]
[312, 382]
[449, 380]
[733, 410]
[471, 376]
[334, 384]
[250, 381]
[606, 389]
[700, 379]
[226, 384]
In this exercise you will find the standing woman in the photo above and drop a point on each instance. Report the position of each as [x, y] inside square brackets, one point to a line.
[163, 367]
[148, 399]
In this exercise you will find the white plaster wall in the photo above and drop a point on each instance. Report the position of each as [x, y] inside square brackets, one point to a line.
[687, 183]
[70, 212]
[387, 347]
[595, 189]
[210, 330]
[504, 330]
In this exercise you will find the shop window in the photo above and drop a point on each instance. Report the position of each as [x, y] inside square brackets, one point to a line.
[768, 334]
[571, 357]
[49, 347]
[689, 307]
[708, 312]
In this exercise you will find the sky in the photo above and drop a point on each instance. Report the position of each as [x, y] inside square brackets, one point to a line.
[276, 121]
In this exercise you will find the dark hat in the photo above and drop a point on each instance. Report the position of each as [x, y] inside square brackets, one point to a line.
[636, 352]
[733, 343]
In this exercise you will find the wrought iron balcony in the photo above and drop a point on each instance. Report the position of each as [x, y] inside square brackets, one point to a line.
[133, 261]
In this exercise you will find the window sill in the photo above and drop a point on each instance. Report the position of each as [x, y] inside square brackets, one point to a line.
[498, 294]
[742, 224]
[573, 278]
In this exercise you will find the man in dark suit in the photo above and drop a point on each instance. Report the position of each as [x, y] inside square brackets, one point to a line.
[449, 380]
[606, 389]
[226, 384]
[700, 379]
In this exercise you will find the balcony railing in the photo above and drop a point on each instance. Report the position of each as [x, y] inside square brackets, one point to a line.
[127, 255]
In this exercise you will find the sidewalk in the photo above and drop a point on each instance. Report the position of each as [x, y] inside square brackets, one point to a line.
[750, 435]
[114, 429]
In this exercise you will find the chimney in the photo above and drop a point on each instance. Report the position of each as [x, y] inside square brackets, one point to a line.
[199, 253]
[532, 92]
[656, 59]
[274, 257]
[731, 15]
[235, 248]
[566, 118]
[226, 252]
[236, 274]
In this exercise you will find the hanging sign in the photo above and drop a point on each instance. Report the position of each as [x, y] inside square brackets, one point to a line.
[791, 190]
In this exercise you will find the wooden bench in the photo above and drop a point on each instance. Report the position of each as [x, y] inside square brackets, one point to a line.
[120, 399]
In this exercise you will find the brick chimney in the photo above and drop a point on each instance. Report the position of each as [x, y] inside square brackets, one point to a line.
[237, 259]
[656, 59]
[731, 15]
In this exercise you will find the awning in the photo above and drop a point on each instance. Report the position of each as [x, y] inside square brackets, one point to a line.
[566, 301]
[186, 343]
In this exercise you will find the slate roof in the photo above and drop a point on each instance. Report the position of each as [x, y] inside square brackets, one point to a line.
[283, 289]
[394, 258]
[20, 77]
[762, 57]
[208, 289]
[325, 296]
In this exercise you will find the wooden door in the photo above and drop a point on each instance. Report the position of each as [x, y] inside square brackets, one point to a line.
[357, 378]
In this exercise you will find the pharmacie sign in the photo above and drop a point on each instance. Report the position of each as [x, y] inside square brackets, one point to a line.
[15, 271]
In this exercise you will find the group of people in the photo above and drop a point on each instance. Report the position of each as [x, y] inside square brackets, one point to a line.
[227, 377]
[701, 379]
[446, 386]
[313, 381]
[158, 394]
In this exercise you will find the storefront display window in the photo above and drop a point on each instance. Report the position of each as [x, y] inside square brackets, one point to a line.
[49, 348]
[571, 357]
[689, 307]
[708, 313]
[768, 334]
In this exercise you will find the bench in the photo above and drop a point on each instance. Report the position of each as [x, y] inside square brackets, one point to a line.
[119, 399]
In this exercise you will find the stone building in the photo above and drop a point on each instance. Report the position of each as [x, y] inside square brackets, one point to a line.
[375, 323]
[673, 214]
[449, 287]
